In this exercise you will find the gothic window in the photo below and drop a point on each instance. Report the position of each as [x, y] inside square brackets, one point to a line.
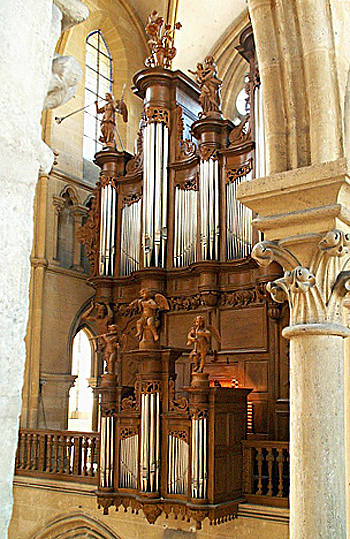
[98, 81]
[81, 395]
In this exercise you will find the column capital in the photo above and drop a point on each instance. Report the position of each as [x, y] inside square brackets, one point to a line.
[314, 291]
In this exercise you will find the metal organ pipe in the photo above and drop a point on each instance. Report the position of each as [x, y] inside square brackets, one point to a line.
[156, 149]
[185, 227]
[130, 240]
[107, 230]
[150, 442]
[199, 458]
[239, 218]
[209, 189]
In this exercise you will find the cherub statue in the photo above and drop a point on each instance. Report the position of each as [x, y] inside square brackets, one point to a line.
[108, 122]
[103, 319]
[111, 348]
[199, 336]
[210, 84]
[148, 324]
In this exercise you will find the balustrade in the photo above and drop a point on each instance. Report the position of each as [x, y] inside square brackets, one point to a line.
[62, 455]
[266, 472]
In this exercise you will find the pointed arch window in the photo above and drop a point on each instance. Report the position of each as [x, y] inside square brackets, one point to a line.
[98, 81]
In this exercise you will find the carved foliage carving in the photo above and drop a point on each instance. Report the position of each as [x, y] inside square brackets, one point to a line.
[161, 42]
[184, 148]
[157, 115]
[89, 233]
[180, 404]
[315, 293]
[206, 153]
[233, 173]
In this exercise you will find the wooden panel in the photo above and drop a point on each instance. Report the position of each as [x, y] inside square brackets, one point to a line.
[244, 329]
[256, 375]
[178, 326]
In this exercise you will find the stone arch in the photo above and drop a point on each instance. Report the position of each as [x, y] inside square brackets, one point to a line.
[75, 525]
[68, 191]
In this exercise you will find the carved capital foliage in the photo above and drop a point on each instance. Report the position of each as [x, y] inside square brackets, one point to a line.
[206, 153]
[190, 184]
[314, 293]
[198, 412]
[157, 115]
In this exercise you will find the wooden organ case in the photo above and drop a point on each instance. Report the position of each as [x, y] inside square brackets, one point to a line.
[169, 247]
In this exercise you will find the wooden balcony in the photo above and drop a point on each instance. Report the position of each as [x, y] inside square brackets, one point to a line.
[266, 472]
[74, 456]
[55, 454]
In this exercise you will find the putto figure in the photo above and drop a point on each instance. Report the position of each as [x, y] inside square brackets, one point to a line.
[103, 319]
[111, 348]
[210, 85]
[108, 122]
[199, 337]
[148, 324]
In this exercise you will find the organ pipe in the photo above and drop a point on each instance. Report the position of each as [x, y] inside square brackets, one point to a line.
[238, 222]
[209, 181]
[107, 230]
[154, 236]
[185, 227]
[150, 442]
[130, 238]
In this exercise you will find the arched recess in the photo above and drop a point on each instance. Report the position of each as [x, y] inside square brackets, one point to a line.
[81, 407]
[75, 525]
[67, 219]
[80, 324]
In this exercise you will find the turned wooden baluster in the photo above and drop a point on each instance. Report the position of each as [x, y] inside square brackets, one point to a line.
[26, 452]
[55, 452]
[260, 457]
[34, 465]
[19, 456]
[92, 456]
[76, 461]
[280, 460]
[49, 453]
[248, 463]
[41, 465]
[85, 446]
[270, 459]
[62, 447]
[69, 454]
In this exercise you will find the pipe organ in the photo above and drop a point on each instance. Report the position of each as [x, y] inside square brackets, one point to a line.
[168, 243]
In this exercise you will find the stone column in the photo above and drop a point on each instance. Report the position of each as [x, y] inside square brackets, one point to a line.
[305, 219]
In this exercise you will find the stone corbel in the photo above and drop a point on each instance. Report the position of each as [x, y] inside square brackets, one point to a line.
[314, 293]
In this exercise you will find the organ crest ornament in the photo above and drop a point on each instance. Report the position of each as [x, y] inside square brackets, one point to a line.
[161, 42]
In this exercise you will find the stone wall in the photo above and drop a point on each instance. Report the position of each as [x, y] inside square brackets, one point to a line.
[44, 509]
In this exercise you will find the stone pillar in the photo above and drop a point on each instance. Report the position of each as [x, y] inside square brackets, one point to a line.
[54, 399]
[304, 217]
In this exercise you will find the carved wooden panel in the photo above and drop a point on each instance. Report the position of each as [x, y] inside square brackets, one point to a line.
[244, 329]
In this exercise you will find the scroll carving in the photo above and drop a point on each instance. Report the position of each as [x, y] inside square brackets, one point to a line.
[180, 404]
[185, 148]
[240, 133]
[233, 173]
[315, 293]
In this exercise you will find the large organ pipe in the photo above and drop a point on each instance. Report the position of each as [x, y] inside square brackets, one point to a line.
[209, 204]
[150, 442]
[130, 240]
[156, 141]
[107, 230]
[185, 227]
[199, 458]
[129, 461]
[107, 452]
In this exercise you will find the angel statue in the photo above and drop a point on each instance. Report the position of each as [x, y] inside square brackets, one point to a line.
[111, 349]
[148, 324]
[199, 336]
[103, 318]
[108, 122]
